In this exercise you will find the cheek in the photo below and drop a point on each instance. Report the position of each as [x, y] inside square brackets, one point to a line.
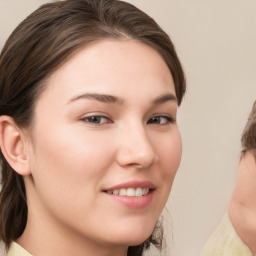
[170, 157]
[66, 164]
[169, 150]
[70, 150]
[170, 154]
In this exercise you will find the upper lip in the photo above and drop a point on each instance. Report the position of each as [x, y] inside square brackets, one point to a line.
[132, 184]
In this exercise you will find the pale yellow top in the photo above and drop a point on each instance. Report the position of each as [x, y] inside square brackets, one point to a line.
[225, 242]
[17, 250]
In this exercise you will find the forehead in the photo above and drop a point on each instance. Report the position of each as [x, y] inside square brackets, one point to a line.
[112, 66]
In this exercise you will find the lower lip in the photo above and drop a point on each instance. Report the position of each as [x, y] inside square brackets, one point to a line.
[134, 202]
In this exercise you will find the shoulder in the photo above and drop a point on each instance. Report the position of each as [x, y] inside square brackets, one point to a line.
[17, 250]
[224, 241]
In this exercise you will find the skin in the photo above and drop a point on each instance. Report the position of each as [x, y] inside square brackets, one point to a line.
[242, 208]
[68, 159]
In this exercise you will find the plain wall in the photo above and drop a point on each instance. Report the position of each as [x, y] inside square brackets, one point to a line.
[216, 43]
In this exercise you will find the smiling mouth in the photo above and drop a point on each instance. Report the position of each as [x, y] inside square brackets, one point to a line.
[132, 192]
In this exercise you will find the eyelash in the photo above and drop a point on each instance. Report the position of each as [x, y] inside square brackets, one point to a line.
[168, 120]
[97, 120]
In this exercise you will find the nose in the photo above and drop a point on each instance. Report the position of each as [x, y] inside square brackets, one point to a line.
[136, 149]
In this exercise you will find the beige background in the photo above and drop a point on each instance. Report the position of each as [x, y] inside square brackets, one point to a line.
[216, 41]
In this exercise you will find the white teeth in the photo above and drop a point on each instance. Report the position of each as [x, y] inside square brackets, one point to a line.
[130, 192]
[115, 192]
[146, 191]
[122, 192]
[139, 192]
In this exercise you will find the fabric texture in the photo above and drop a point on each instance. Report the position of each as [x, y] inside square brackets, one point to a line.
[225, 242]
[17, 250]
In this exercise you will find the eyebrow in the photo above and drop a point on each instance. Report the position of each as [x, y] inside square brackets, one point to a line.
[110, 99]
[164, 98]
[105, 98]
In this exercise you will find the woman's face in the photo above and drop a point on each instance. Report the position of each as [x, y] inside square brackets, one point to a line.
[105, 145]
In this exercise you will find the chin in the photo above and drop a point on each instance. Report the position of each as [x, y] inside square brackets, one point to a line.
[137, 236]
[138, 240]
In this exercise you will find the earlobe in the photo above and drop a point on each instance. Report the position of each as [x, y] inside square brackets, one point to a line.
[12, 143]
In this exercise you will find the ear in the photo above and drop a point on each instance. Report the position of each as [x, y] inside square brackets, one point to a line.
[12, 144]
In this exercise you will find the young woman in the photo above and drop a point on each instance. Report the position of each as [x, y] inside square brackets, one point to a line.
[236, 235]
[89, 91]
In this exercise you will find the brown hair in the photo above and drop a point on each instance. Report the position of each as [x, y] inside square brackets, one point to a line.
[36, 48]
[248, 140]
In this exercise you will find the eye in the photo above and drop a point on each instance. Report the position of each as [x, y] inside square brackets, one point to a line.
[98, 120]
[162, 120]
